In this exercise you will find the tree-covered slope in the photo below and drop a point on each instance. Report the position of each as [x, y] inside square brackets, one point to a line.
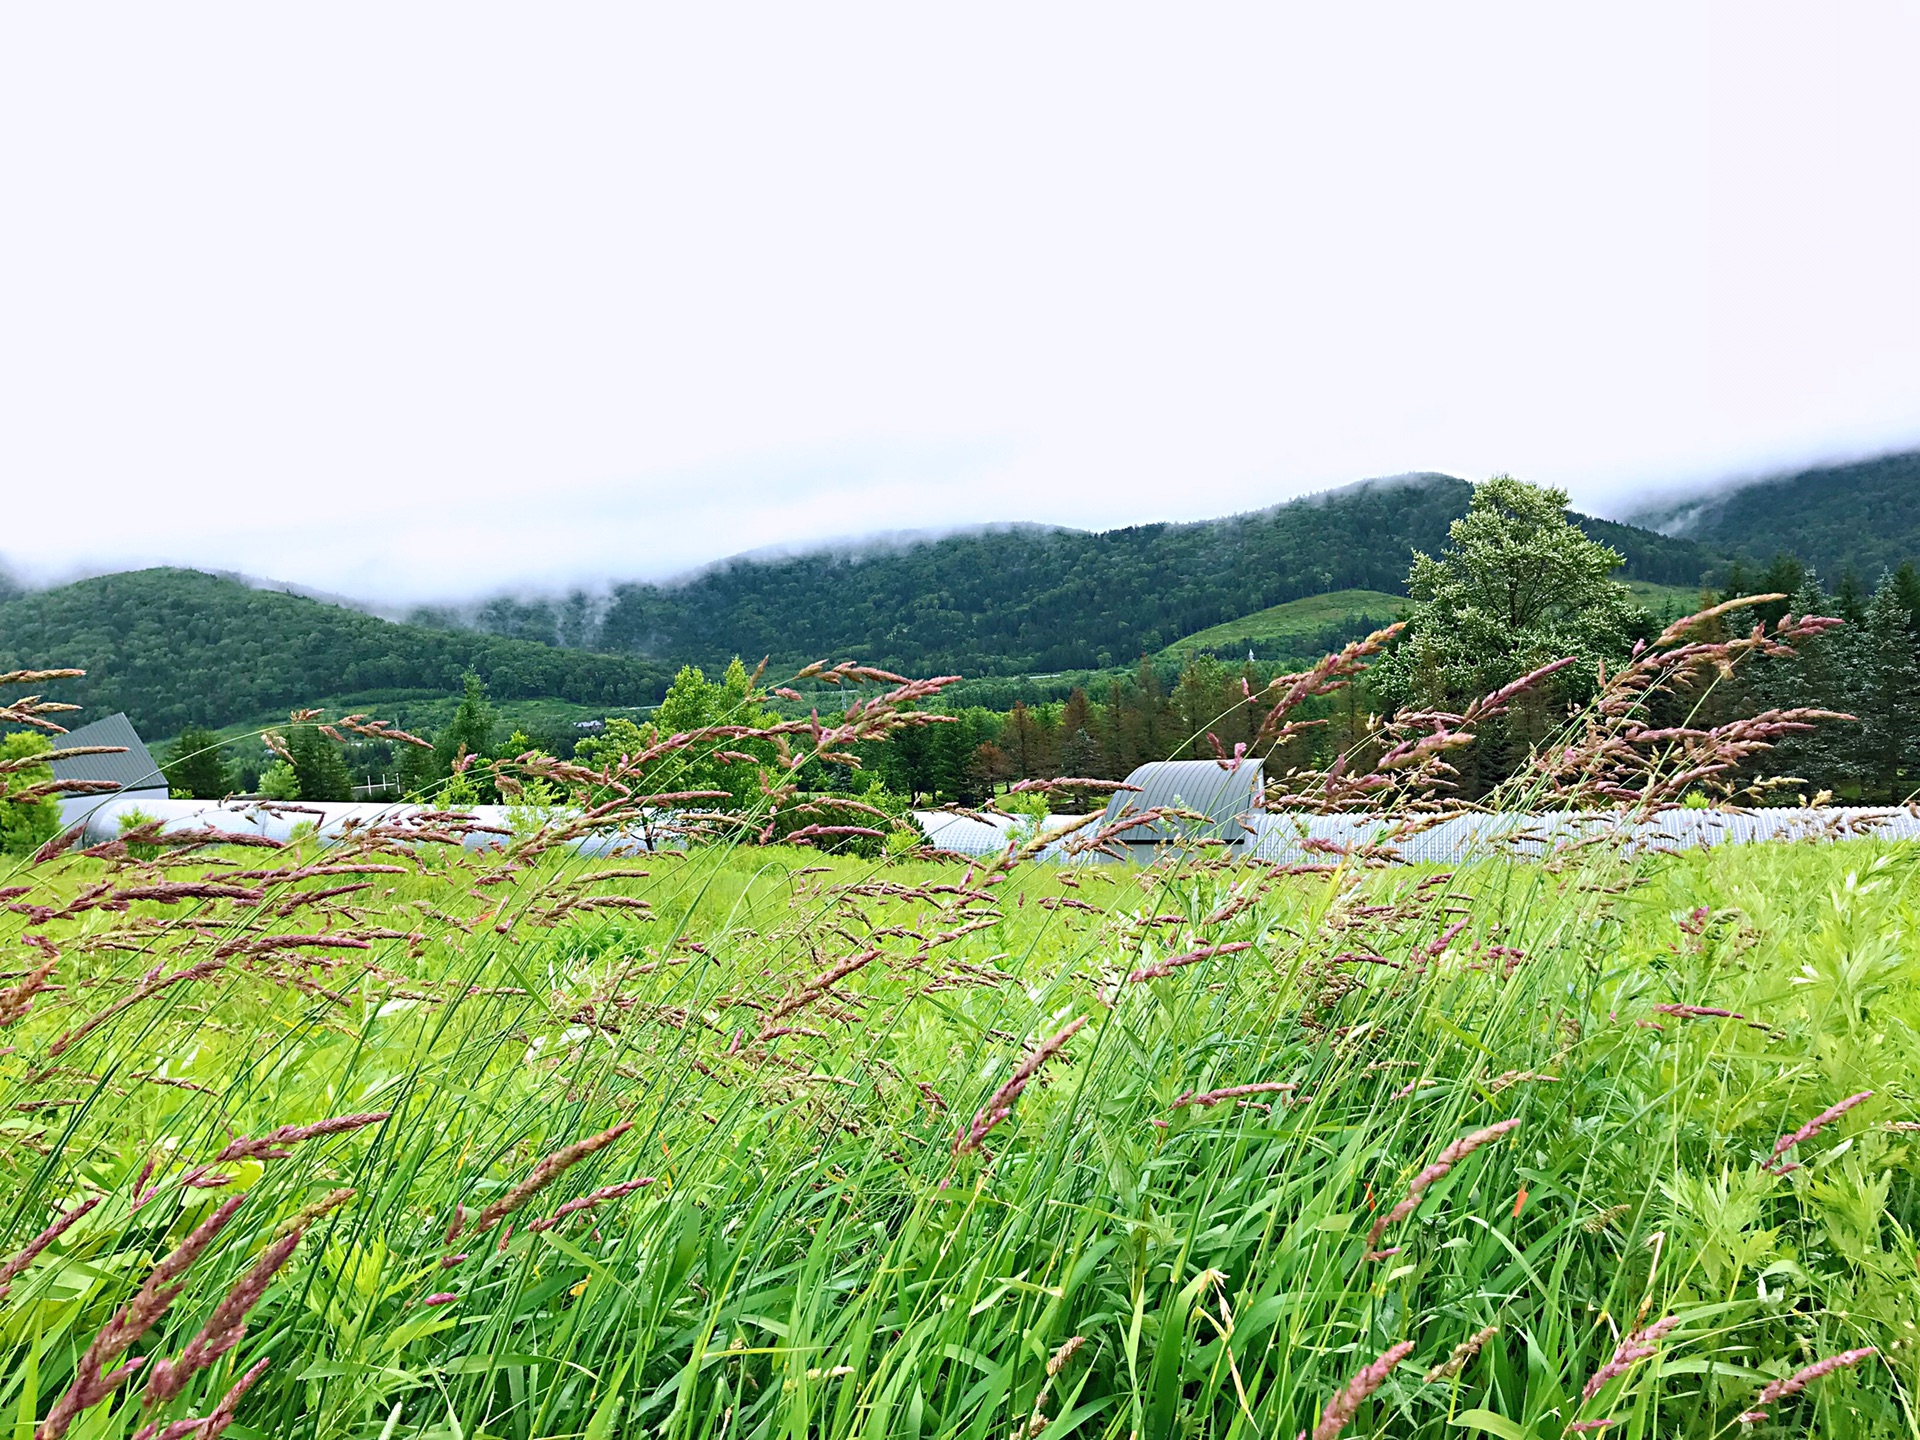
[179, 647]
[1865, 516]
[1030, 599]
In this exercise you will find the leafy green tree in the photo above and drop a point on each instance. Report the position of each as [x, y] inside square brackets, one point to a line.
[619, 736]
[26, 825]
[317, 766]
[694, 703]
[279, 782]
[196, 768]
[1518, 585]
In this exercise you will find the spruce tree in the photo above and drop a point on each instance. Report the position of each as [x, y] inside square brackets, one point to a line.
[1906, 587]
[1025, 743]
[1784, 576]
[470, 731]
[1818, 674]
[196, 767]
[317, 765]
[1850, 599]
[1885, 693]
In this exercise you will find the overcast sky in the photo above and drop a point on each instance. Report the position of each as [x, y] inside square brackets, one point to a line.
[406, 301]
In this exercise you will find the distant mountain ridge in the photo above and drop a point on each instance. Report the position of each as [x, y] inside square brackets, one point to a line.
[1018, 600]
[174, 647]
[1863, 515]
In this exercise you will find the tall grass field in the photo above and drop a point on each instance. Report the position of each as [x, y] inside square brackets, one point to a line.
[405, 1136]
[779, 1066]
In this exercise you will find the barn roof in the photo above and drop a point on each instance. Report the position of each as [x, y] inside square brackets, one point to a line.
[134, 770]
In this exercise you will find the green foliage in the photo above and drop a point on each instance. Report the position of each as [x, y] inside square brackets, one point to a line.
[174, 648]
[279, 782]
[459, 791]
[318, 769]
[1518, 586]
[196, 767]
[1869, 670]
[26, 824]
[465, 742]
[1885, 686]
[695, 703]
[471, 731]
[467, 737]
[131, 820]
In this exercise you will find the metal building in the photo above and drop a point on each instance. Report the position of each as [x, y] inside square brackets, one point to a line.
[135, 772]
[1225, 798]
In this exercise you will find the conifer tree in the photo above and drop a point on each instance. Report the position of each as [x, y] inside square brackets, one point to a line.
[1025, 743]
[197, 768]
[471, 729]
[1885, 693]
[1817, 674]
[317, 765]
[1906, 588]
[1850, 598]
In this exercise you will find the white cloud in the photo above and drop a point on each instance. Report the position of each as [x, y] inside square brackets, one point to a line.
[432, 300]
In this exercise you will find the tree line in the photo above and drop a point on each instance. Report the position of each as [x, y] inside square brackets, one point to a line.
[1517, 584]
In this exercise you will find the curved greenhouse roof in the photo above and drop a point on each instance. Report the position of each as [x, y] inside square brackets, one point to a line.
[1224, 798]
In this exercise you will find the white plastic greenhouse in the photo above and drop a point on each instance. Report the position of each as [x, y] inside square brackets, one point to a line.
[1269, 837]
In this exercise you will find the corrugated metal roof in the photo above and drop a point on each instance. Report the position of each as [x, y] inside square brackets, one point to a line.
[1225, 794]
[134, 770]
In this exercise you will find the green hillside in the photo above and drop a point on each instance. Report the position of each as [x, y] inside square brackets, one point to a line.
[1861, 516]
[179, 647]
[1667, 602]
[1031, 600]
[1315, 623]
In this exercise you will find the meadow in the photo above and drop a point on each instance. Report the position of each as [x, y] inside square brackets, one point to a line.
[762, 1143]
[436, 1131]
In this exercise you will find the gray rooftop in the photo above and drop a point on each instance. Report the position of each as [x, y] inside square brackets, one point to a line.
[134, 770]
[1226, 795]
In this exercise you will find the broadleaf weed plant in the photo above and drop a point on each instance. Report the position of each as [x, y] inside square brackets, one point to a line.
[406, 1136]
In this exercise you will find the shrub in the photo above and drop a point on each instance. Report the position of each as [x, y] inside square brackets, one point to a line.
[26, 825]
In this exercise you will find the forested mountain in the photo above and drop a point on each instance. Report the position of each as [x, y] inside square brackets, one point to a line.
[179, 647]
[1863, 516]
[1031, 599]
